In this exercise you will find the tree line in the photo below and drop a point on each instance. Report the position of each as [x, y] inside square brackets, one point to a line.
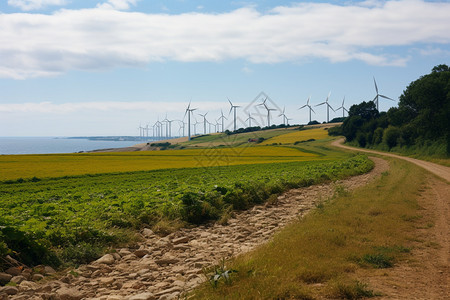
[420, 124]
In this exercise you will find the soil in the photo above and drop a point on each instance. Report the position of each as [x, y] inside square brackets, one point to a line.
[427, 274]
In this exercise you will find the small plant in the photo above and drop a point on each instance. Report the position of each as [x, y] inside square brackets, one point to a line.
[219, 273]
[355, 290]
[379, 260]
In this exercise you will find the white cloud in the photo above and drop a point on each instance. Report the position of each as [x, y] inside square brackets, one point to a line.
[35, 45]
[117, 4]
[35, 4]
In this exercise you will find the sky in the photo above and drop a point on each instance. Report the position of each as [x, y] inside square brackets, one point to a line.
[107, 67]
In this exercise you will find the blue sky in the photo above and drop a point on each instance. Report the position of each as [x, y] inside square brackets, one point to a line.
[95, 67]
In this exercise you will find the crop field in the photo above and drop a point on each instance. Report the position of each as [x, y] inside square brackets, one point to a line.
[72, 219]
[215, 140]
[298, 136]
[14, 167]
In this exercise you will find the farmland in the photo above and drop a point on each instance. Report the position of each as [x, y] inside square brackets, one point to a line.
[68, 208]
[58, 165]
[298, 136]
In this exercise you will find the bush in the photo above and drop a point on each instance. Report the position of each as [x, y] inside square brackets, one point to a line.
[361, 139]
[390, 136]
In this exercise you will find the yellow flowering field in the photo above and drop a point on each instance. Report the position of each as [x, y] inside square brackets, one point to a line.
[297, 136]
[59, 165]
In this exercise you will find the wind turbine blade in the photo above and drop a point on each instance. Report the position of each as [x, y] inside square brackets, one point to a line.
[376, 87]
[386, 97]
[343, 100]
[312, 109]
[329, 94]
[376, 97]
[303, 106]
[331, 107]
[321, 104]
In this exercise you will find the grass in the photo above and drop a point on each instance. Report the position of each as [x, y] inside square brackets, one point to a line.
[320, 256]
[298, 136]
[222, 139]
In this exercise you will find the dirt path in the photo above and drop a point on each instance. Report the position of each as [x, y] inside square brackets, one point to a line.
[439, 170]
[427, 275]
[164, 268]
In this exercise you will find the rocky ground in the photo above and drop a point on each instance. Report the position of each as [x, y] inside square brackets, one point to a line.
[167, 267]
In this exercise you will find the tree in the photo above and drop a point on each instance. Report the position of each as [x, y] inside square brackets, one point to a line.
[426, 104]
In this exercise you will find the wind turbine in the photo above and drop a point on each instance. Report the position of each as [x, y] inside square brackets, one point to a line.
[285, 119]
[310, 108]
[233, 106]
[189, 110]
[249, 119]
[140, 131]
[328, 107]
[375, 100]
[222, 117]
[204, 122]
[268, 111]
[343, 108]
[168, 127]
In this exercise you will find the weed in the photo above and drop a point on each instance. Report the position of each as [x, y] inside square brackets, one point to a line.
[378, 260]
[219, 273]
[353, 290]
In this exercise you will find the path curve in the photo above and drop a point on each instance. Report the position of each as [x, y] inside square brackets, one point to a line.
[439, 170]
[428, 279]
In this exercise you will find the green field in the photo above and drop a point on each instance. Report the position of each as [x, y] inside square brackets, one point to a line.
[68, 208]
[58, 165]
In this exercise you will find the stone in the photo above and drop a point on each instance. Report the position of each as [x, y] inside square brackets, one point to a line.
[106, 259]
[169, 291]
[45, 288]
[147, 233]
[115, 297]
[14, 271]
[116, 256]
[49, 270]
[143, 296]
[167, 261]
[10, 290]
[106, 280]
[69, 294]
[5, 278]
[181, 240]
[141, 253]
[17, 279]
[28, 285]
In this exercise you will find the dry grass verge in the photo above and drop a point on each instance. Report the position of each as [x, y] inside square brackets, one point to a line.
[319, 256]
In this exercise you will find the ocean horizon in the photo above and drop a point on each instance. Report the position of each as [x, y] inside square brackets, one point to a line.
[52, 145]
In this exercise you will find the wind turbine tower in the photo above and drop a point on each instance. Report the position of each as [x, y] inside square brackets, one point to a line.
[204, 122]
[310, 108]
[343, 108]
[268, 111]
[222, 117]
[285, 119]
[233, 107]
[328, 107]
[189, 110]
[375, 100]
[249, 119]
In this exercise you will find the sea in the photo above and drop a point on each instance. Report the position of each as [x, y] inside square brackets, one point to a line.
[47, 145]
